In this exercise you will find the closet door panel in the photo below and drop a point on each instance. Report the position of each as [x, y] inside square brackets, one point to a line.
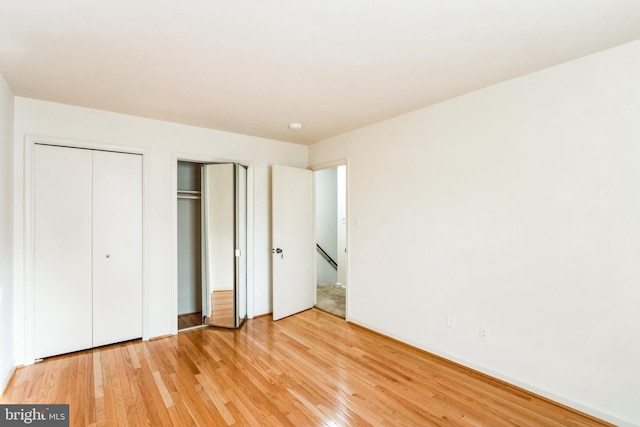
[62, 250]
[218, 194]
[117, 247]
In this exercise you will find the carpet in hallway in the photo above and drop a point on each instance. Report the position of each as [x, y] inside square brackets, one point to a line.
[331, 298]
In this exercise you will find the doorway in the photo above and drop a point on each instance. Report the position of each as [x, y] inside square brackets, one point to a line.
[331, 239]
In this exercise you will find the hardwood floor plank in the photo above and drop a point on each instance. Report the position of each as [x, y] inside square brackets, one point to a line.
[164, 393]
[244, 409]
[98, 390]
[196, 404]
[114, 384]
[155, 408]
[67, 374]
[130, 390]
[311, 369]
[218, 398]
[78, 387]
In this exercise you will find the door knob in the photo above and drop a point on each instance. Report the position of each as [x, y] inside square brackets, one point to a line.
[278, 251]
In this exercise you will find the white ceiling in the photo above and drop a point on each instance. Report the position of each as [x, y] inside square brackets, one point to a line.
[252, 67]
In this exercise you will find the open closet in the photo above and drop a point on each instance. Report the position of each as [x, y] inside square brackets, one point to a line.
[212, 244]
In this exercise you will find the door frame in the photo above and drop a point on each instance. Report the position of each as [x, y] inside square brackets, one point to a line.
[327, 165]
[177, 156]
[28, 293]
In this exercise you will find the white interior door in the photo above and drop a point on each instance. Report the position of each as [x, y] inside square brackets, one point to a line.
[62, 250]
[117, 247]
[293, 241]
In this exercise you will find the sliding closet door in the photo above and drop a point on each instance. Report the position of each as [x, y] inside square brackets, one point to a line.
[62, 250]
[117, 247]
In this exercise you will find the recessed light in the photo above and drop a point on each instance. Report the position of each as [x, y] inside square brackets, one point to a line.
[295, 126]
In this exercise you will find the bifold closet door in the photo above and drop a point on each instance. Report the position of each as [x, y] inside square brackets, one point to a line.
[117, 247]
[219, 258]
[87, 248]
[62, 250]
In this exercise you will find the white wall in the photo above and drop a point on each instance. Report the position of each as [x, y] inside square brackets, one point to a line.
[6, 233]
[516, 207]
[162, 143]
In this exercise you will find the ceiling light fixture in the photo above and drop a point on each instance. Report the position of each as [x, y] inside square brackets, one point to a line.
[295, 126]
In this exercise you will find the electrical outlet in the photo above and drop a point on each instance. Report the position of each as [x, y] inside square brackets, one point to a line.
[451, 321]
[484, 333]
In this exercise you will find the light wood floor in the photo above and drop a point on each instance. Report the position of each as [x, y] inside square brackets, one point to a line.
[222, 309]
[311, 369]
[189, 320]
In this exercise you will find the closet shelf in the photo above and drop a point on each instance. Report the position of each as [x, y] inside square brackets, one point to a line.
[189, 194]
